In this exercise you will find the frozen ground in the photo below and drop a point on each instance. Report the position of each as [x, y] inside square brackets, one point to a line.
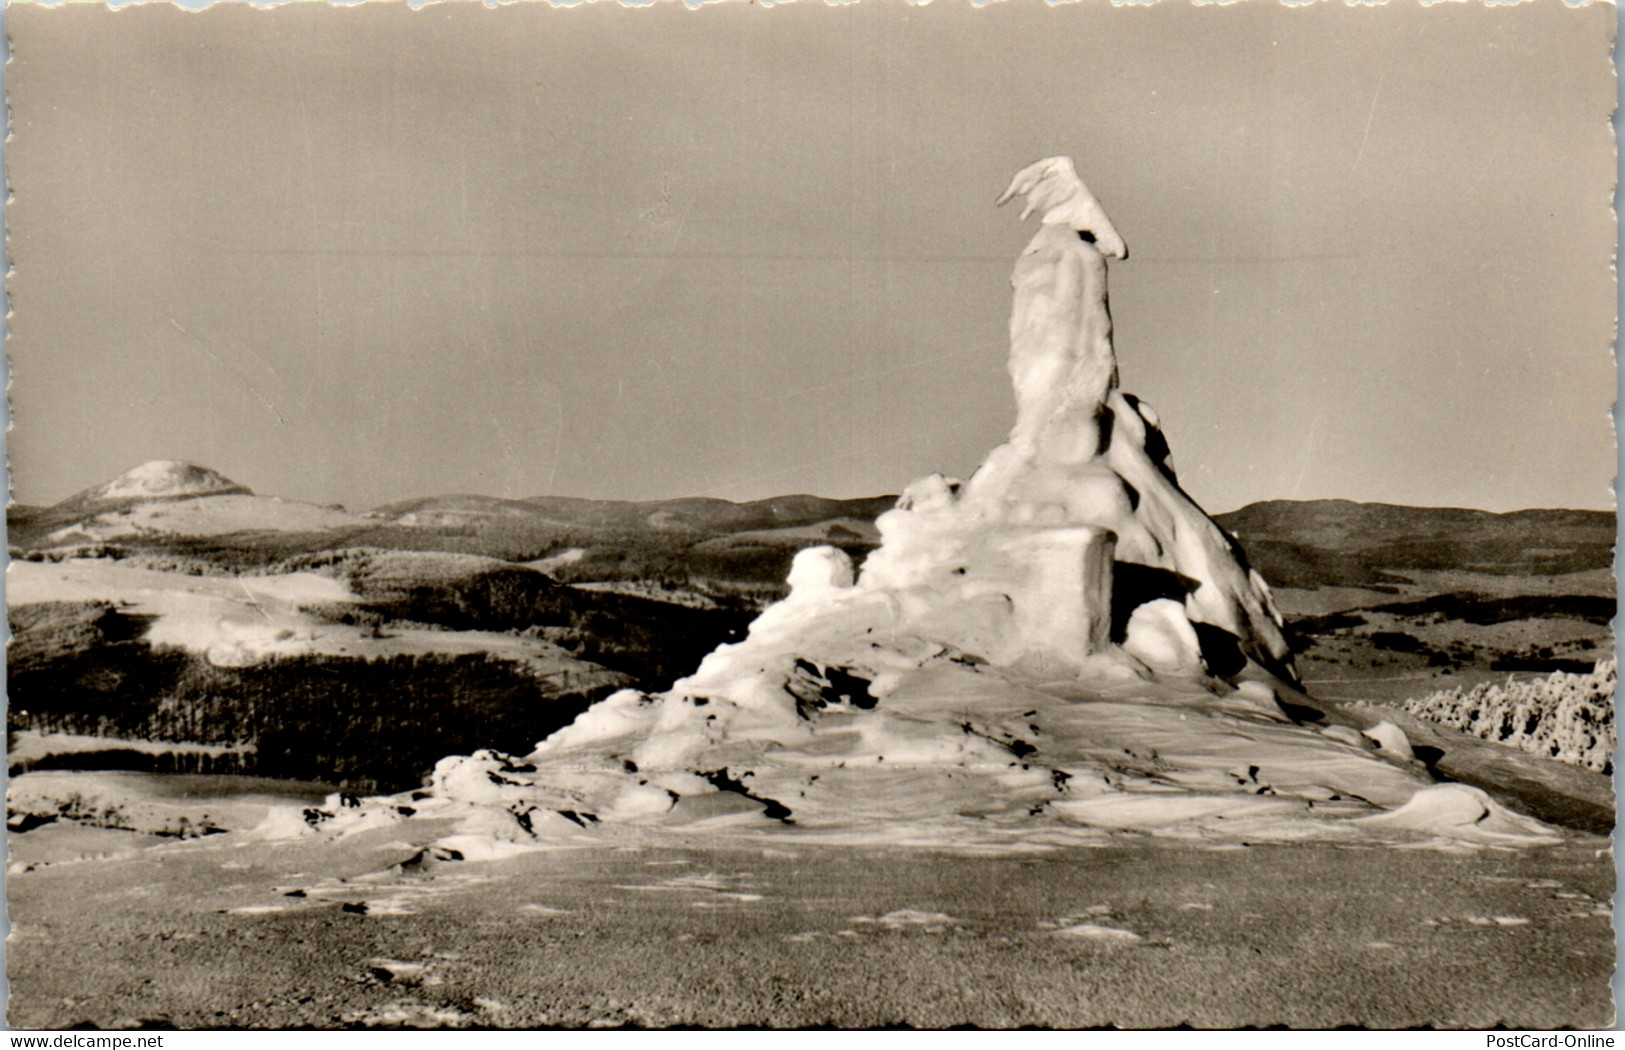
[375, 933]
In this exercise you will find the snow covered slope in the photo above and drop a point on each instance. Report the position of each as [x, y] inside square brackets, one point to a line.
[238, 621]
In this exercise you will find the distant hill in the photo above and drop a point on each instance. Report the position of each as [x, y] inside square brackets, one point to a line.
[676, 541]
[693, 514]
[158, 479]
[194, 517]
[162, 501]
[1314, 543]
[187, 509]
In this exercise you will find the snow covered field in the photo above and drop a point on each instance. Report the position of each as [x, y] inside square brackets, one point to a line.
[239, 620]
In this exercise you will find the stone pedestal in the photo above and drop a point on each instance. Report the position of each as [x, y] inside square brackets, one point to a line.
[1063, 606]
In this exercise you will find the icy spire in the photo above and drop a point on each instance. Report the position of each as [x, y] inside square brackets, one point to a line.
[1062, 363]
[1052, 185]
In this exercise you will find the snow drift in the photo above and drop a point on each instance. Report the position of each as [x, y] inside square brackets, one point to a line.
[1062, 649]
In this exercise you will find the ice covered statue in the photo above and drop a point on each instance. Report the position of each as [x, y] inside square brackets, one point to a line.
[1061, 648]
[1074, 536]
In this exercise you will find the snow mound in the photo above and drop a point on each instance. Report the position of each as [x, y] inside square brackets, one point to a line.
[1062, 650]
[1457, 811]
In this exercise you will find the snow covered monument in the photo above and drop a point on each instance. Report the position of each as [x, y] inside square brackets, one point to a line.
[1061, 649]
[1018, 563]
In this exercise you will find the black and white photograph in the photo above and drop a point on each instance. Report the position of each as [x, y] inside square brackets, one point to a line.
[868, 515]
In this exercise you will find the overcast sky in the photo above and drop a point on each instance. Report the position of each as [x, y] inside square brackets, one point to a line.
[359, 254]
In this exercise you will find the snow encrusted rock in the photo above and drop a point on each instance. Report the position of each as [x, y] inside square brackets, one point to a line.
[1059, 650]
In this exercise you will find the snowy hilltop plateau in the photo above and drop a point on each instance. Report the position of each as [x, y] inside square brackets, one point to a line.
[1061, 649]
[161, 479]
[167, 497]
